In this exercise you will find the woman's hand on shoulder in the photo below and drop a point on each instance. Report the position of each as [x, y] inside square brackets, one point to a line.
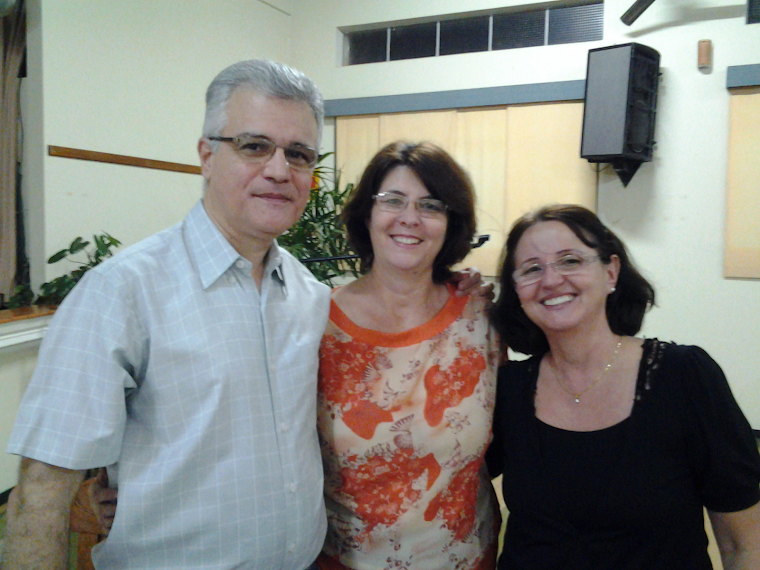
[470, 282]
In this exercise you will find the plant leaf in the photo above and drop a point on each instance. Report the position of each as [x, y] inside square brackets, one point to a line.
[56, 257]
[78, 245]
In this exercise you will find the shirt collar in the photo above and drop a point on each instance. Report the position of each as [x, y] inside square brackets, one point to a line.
[274, 263]
[214, 255]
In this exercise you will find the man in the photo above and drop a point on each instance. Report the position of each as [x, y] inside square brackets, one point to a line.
[188, 364]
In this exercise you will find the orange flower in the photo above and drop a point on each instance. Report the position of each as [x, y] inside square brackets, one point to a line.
[383, 487]
[446, 388]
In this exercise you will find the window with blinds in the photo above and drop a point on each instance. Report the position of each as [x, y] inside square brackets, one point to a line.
[466, 33]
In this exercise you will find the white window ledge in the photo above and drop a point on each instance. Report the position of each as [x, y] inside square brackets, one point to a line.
[25, 330]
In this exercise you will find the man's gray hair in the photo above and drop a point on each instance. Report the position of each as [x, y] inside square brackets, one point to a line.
[266, 77]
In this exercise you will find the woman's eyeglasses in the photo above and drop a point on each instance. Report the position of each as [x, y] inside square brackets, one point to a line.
[570, 264]
[397, 203]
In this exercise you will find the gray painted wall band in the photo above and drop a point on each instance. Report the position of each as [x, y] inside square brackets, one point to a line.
[458, 99]
[743, 76]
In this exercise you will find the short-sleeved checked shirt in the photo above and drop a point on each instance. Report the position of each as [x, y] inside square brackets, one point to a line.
[199, 391]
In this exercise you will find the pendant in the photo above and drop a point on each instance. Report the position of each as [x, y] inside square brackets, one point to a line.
[577, 400]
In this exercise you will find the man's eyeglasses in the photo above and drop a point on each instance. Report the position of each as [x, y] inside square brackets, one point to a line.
[569, 264]
[259, 149]
[397, 203]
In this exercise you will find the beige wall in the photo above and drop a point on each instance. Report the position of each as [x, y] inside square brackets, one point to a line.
[126, 78]
[16, 366]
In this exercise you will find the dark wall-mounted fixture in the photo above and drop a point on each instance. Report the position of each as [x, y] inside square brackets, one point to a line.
[635, 11]
[753, 11]
[619, 107]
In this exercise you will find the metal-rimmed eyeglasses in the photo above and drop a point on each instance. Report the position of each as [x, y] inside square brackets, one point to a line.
[569, 264]
[396, 203]
[260, 149]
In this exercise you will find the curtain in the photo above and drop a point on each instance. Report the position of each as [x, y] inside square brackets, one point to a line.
[13, 31]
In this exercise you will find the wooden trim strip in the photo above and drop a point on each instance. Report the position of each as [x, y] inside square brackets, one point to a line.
[95, 156]
[23, 313]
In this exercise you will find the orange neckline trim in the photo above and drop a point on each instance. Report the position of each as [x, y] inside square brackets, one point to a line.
[447, 315]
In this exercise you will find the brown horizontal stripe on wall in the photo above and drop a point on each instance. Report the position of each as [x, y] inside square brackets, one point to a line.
[95, 156]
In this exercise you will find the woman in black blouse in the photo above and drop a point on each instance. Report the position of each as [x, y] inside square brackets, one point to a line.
[610, 445]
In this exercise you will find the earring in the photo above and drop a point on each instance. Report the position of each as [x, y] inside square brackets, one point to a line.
[612, 291]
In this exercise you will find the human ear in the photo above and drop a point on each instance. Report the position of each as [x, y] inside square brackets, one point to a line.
[613, 270]
[206, 156]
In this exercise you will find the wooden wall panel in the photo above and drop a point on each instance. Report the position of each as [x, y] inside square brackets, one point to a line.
[543, 159]
[742, 246]
[438, 127]
[480, 147]
[357, 139]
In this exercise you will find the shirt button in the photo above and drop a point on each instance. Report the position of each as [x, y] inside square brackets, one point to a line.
[230, 279]
[283, 426]
[240, 264]
[291, 546]
[293, 487]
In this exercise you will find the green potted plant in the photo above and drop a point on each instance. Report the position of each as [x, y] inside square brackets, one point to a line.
[318, 239]
[53, 292]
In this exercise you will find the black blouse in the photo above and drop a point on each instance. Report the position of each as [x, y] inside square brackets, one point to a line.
[631, 495]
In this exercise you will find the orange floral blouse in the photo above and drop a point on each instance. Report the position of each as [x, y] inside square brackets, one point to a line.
[404, 422]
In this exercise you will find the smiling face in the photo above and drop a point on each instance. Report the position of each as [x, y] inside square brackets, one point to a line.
[254, 202]
[557, 302]
[405, 241]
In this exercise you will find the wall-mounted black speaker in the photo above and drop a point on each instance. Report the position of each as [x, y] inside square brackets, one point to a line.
[620, 104]
[753, 11]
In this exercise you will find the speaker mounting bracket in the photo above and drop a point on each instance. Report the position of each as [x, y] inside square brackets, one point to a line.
[625, 169]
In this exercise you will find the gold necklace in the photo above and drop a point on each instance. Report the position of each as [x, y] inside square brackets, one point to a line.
[577, 396]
